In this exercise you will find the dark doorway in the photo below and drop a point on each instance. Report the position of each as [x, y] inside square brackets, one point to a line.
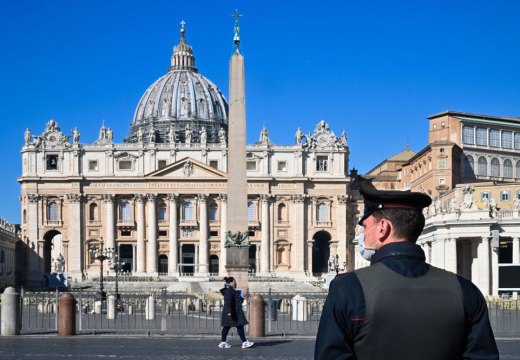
[188, 258]
[320, 253]
[47, 250]
[213, 265]
[126, 255]
[163, 265]
[252, 259]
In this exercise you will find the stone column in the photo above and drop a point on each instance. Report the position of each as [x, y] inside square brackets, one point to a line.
[494, 272]
[140, 250]
[74, 262]
[110, 221]
[151, 259]
[223, 230]
[264, 245]
[438, 253]
[516, 250]
[341, 227]
[298, 217]
[450, 254]
[33, 221]
[174, 235]
[203, 232]
[484, 266]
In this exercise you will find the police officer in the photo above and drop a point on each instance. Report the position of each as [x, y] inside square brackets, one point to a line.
[400, 307]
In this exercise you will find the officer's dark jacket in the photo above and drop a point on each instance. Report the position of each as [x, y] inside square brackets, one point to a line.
[343, 320]
[232, 305]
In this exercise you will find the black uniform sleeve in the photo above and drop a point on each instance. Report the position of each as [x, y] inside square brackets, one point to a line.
[342, 312]
[480, 341]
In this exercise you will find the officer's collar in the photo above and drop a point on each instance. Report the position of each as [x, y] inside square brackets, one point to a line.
[401, 248]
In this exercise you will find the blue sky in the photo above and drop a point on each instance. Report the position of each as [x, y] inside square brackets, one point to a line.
[376, 69]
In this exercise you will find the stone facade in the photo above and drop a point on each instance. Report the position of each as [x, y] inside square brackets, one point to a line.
[160, 198]
[9, 237]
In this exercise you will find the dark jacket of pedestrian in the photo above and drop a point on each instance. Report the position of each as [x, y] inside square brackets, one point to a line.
[232, 305]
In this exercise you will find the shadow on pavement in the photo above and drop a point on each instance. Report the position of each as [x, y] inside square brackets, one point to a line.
[271, 343]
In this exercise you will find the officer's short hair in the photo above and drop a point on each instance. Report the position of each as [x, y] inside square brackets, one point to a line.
[407, 223]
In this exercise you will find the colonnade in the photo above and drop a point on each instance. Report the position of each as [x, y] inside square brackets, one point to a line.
[479, 254]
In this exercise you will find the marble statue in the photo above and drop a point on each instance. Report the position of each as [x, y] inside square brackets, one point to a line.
[75, 135]
[203, 135]
[264, 136]
[27, 136]
[140, 134]
[171, 135]
[187, 134]
[222, 136]
[110, 134]
[299, 136]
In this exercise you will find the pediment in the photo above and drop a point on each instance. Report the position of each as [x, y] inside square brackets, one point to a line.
[187, 168]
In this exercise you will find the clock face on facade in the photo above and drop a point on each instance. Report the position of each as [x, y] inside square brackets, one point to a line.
[52, 138]
[322, 140]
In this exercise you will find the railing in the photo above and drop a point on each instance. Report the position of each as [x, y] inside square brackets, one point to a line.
[180, 313]
[504, 316]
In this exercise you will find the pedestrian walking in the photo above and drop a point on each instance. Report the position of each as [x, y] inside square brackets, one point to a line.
[232, 314]
[400, 307]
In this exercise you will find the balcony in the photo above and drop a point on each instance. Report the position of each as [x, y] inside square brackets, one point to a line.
[125, 223]
[188, 223]
[323, 224]
[54, 223]
[253, 223]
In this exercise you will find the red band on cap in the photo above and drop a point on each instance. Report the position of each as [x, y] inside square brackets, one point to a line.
[398, 206]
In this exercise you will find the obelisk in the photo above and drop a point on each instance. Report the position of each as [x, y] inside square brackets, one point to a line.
[237, 242]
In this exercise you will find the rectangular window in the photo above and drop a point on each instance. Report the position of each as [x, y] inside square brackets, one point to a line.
[52, 162]
[125, 164]
[468, 135]
[251, 165]
[213, 233]
[251, 233]
[163, 233]
[517, 140]
[126, 232]
[322, 163]
[282, 166]
[485, 195]
[93, 165]
[442, 181]
[482, 136]
[518, 194]
[505, 195]
[494, 138]
[213, 164]
[161, 164]
[507, 139]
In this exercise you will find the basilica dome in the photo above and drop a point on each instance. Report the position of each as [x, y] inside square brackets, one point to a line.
[182, 98]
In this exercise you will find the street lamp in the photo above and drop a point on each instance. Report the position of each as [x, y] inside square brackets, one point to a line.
[101, 254]
[334, 265]
[117, 266]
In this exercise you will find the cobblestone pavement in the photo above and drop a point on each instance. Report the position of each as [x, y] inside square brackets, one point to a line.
[160, 348]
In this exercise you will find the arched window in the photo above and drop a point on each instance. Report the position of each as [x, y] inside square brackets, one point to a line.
[2, 257]
[469, 165]
[508, 168]
[282, 212]
[187, 211]
[24, 216]
[322, 213]
[92, 212]
[125, 211]
[213, 212]
[161, 212]
[52, 212]
[482, 166]
[251, 213]
[517, 172]
[495, 167]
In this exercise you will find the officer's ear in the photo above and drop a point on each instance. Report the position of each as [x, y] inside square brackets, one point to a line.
[385, 230]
